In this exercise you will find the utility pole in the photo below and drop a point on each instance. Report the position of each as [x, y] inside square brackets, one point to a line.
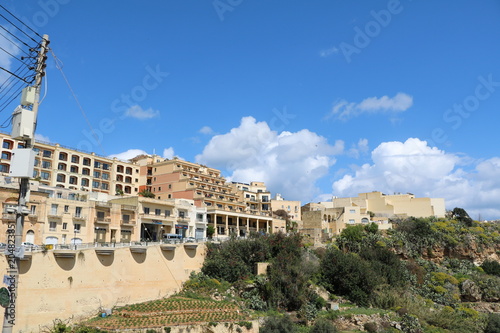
[23, 129]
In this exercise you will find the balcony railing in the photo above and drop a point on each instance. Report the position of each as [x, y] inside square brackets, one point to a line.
[103, 220]
[54, 215]
[127, 222]
[79, 217]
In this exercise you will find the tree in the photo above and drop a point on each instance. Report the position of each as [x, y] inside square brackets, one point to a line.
[210, 231]
[146, 194]
[281, 324]
[461, 215]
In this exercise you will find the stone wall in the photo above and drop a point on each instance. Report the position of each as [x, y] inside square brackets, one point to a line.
[63, 288]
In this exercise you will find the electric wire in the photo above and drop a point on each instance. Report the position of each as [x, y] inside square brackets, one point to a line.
[10, 33]
[59, 65]
[36, 33]
[13, 56]
[6, 19]
[20, 78]
[1, 34]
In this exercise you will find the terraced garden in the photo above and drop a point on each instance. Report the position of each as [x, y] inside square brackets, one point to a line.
[169, 312]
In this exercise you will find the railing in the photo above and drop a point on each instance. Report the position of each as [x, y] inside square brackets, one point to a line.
[102, 219]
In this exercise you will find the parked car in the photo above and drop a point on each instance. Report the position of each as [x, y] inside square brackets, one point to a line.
[29, 246]
[189, 240]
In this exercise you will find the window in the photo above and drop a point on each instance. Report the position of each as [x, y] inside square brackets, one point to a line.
[86, 161]
[45, 175]
[59, 195]
[97, 174]
[119, 168]
[7, 144]
[159, 187]
[100, 216]
[61, 178]
[5, 155]
[65, 226]
[146, 210]
[128, 180]
[53, 209]
[78, 211]
[199, 217]
[4, 168]
[63, 156]
[104, 186]
[105, 166]
[128, 171]
[72, 196]
[167, 213]
[351, 221]
[352, 211]
[75, 159]
[77, 227]
[126, 218]
[33, 210]
[37, 162]
[181, 214]
[97, 164]
[95, 184]
[73, 169]
[66, 208]
[157, 211]
[105, 176]
[86, 171]
[52, 226]
[47, 153]
[73, 180]
[85, 182]
[170, 196]
[169, 186]
[46, 164]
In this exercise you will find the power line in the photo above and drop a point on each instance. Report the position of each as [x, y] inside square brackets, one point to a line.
[36, 33]
[20, 78]
[10, 33]
[6, 19]
[1, 34]
[13, 56]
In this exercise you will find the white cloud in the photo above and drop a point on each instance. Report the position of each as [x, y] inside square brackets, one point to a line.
[413, 166]
[206, 130]
[168, 153]
[40, 137]
[289, 163]
[7, 60]
[359, 149]
[345, 110]
[129, 154]
[137, 112]
[329, 52]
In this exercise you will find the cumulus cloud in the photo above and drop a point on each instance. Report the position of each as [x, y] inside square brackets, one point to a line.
[345, 110]
[359, 149]
[41, 137]
[129, 154]
[206, 130]
[168, 153]
[137, 112]
[413, 166]
[289, 163]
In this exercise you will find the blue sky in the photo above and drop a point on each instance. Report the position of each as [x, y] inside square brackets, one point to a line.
[316, 98]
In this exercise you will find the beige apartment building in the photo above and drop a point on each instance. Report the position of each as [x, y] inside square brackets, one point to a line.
[63, 167]
[397, 205]
[176, 179]
[292, 207]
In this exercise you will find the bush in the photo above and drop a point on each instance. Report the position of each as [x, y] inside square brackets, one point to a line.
[281, 324]
[323, 325]
[491, 267]
[493, 323]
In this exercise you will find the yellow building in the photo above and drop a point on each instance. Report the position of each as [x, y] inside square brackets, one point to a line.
[59, 166]
[397, 205]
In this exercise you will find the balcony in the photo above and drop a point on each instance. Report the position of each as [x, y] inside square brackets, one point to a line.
[127, 222]
[183, 220]
[54, 215]
[78, 217]
[128, 207]
[33, 217]
[9, 217]
[103, 204]
[102, 220]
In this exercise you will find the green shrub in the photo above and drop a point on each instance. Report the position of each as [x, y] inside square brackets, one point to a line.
[493, 323]
[282, 324]
[491, 267]
[323, 325]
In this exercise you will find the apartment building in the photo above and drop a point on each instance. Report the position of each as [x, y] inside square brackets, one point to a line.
[396, 205]
[63, 167]
[176, 179]
[291, 207]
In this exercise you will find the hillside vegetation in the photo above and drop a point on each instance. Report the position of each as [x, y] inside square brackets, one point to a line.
[426, 275]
